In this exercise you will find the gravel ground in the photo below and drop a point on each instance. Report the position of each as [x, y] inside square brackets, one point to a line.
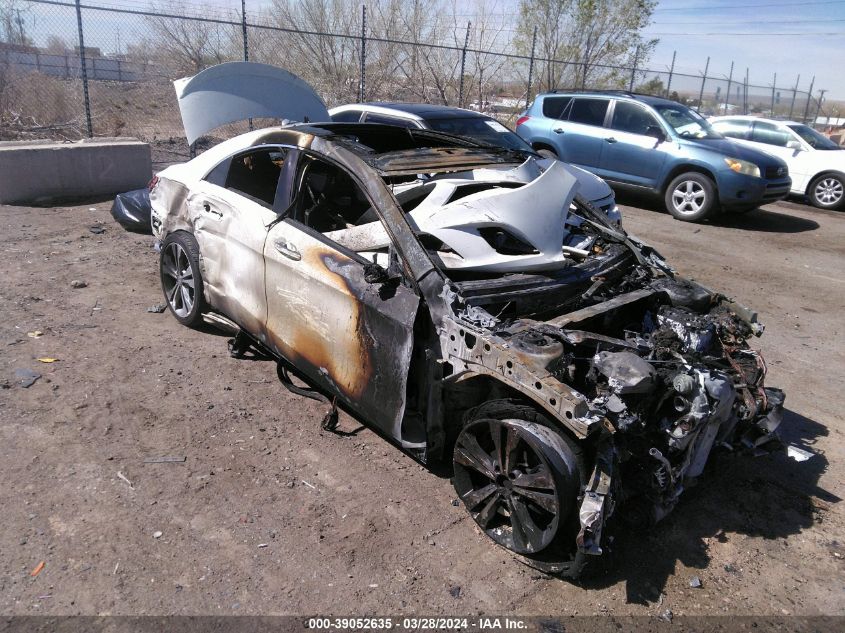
[267, 514]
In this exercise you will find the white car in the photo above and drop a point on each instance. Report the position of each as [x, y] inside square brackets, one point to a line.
[816, 164]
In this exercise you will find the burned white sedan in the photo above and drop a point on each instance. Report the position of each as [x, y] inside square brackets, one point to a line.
[470, 306]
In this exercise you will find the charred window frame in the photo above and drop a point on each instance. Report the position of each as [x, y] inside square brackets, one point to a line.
[300, 156]
[220, 175]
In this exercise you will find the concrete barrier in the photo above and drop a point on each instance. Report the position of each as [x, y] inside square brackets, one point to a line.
[39, 172]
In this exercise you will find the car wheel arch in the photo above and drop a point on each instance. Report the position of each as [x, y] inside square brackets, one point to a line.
[478, 388]
[686, 168]
[825, 172]
[544, 145]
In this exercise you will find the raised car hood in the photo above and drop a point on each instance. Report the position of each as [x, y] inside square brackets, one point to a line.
[237, 91]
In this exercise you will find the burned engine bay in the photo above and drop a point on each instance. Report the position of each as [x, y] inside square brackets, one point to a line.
[652, 372]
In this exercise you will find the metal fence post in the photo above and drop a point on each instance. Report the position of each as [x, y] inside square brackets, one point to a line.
[634, 69]
[745, 93]
[703, 81]
[243, 25]
[728, 91]
[363, 53]
[774, 83]
[809, 96]
[584, 65]
[819, 107]
[671, 72]
[463, 67]
[530, 69]
[84, 70]
[794, 92]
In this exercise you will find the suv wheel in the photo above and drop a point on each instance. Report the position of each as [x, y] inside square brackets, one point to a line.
[691, 197]
[828, 192]
[547, 153]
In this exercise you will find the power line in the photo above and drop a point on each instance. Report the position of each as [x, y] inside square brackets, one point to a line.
[711, 7]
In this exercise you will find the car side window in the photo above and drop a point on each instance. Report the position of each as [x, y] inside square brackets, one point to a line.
[347, 116]
[554, 107]
[373, 117]
[769, 134]
[588, 111]
[254, 174]
[329, 199]
[733, 128]
[628, 117]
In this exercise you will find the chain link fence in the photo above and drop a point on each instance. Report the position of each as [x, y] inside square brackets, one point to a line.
[70, 70]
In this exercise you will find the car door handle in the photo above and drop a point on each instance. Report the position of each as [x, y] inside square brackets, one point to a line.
[287, 249]
[558, 130]
[610, 139]
[209, 209]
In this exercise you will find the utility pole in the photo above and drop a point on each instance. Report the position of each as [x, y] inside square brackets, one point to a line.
[363, 53]
[463, 67]
[530, 69]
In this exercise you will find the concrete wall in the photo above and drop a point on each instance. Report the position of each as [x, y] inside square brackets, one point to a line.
[44, 171]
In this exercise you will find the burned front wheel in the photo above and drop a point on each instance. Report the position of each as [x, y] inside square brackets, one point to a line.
[518, 478]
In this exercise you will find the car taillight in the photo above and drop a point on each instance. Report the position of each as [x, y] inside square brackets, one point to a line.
[522, 120]
[153, 182]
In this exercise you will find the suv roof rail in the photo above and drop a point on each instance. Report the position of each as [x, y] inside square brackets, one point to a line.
[614, 92]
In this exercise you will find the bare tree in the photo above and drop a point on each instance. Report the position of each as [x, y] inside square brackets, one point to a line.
[12, 25]
[187, 46]
[584, 38]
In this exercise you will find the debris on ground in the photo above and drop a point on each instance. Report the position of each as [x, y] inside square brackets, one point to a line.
[165, 460]
[456, 502]
[666, 615]
[38, 568]
[455, 591]
[27, 377]
[124, 478]
[261, 545]
[695, 582]
[157, 534]
[78, 283]
[798, 454]
[35, 334]
[97, 229]
[47, 359]
[157, 308]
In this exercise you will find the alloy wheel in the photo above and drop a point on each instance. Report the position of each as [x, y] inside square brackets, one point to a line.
[829, 191]
[178, 279]
[689, 197]
[507, 484]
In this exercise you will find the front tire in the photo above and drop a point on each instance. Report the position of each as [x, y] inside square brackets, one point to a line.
[691, 197]
[181, 279]
[828, 192]
[519, 479]
[547, 153]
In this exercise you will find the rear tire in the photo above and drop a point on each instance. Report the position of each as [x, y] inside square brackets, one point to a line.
[828, 192]
[181, 279]
[691, 197]
[520, 480]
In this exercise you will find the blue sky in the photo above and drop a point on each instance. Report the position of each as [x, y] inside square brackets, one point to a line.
[767, 36]
[787, 37]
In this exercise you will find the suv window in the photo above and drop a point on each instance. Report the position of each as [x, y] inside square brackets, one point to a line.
[347, 116]
[588, 111]
[255, 174]
[553, 107]
[733, 128]
[629, 117]
[373, 117]
[769, 134]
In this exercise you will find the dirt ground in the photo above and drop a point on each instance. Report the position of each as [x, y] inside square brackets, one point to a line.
[270, 515]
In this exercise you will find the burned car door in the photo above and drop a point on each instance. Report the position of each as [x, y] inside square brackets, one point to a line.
[231, 209]
[339, 319]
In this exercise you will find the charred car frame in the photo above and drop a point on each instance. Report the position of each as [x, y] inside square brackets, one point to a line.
[470, 307]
